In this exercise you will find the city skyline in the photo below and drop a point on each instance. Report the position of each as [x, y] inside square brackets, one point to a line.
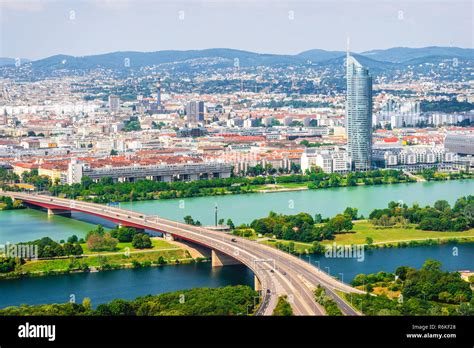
[96, 27]
[330, 176]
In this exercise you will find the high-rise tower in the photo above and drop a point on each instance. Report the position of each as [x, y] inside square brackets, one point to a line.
[195, 111]
[359, 114]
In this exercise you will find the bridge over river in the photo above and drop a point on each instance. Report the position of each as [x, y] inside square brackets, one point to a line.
[276, 272]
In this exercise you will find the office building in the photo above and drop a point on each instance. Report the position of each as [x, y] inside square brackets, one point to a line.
[359, 114]
[195, 111]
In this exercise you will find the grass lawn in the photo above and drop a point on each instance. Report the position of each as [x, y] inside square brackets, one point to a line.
[288, 185]
[300, 247]
[365, 229]
[118, 259]
[293, 184]
[121, 247]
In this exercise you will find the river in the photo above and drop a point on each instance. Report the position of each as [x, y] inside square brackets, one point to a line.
[29, 224]
[105, 286]
[244, 208]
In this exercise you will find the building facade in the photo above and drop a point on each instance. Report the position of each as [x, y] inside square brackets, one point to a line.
[330, 161]
[195, 111]
[462, 144]
[359, 114]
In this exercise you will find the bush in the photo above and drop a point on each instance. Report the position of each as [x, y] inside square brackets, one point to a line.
[105, 242]
[124, 234]
[283, 308]
[8, 264]
[142, 241]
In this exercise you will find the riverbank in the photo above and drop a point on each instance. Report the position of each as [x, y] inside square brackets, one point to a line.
[232, 300]
[144, 190]
[383, 236]
[395, 237]
[162, 253]
[409, 291]
[6, 203]
[241, 208]
[102, 287]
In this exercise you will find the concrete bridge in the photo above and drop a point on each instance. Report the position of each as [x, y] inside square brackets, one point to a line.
[276, 272]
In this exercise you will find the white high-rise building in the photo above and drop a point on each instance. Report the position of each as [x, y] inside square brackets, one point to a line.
[359, 114]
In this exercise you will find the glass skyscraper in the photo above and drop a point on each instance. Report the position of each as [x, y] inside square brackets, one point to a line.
[359, 114]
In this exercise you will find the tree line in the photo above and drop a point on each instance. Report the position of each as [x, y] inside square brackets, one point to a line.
[229, 300]
[106, 190]
[99, 239]
[427, 291]
[439, 217]
[302, 227]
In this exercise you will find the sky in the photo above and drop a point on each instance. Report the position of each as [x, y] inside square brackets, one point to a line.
[36, 29]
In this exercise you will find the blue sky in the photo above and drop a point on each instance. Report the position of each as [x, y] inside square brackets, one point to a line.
[39, 28]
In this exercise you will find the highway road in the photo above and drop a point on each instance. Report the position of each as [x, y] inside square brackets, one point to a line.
[278, 272]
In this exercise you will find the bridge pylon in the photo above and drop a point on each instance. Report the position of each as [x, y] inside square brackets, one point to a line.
[62, 212]
[219, 259]
[257, 285]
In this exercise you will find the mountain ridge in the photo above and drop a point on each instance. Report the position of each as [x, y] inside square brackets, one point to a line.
[393, 54]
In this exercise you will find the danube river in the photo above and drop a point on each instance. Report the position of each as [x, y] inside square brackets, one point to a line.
[29, 224]
[128, 284]
[328, 202]
[102, 287]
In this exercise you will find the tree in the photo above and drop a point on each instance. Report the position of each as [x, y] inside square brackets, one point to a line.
[340, 223]
[230, 223]
[98, 242]
[188, 220]
[431, 265]
[115, 308]
[291, 247]
[72, 239]
[283, 308]
[86, 182]
[86, 302]
[318, 248]
[99, 230]
[142, 241]
[7, 264]
[72, 249]
[369, 241]
[402, 271]
[441, 205]
[132, 124]
[124, 234]
[351, 213]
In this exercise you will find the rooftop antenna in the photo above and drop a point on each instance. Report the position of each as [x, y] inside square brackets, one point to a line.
[348, 43]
